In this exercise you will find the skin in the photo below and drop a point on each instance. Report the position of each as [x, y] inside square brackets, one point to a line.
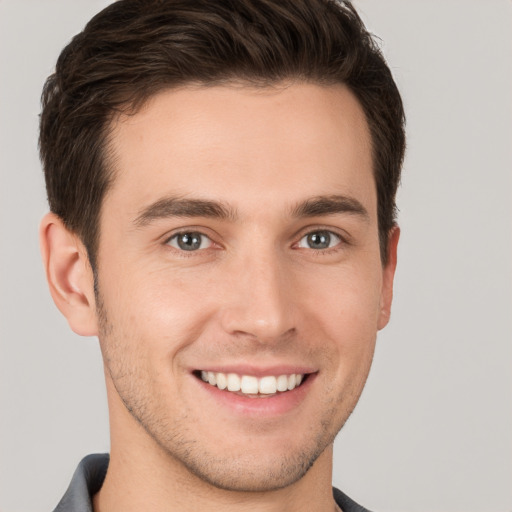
[255, 295]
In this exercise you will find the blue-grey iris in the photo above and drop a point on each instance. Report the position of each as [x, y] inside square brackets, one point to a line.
[319, 240]
[189, 241]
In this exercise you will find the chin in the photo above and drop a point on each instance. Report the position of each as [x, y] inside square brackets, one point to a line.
[264, 468]
[251, 475]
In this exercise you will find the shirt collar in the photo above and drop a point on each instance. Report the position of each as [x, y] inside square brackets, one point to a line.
[86, 482]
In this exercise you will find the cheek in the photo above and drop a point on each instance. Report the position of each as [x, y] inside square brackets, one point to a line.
[153, 317]
[169, 308]
[348, 313]
[347, 300]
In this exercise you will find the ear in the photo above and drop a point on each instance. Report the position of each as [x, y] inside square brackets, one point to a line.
[69, 274]
[388, 276]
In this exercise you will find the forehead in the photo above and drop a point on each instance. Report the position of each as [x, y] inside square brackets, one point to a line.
[243, 145]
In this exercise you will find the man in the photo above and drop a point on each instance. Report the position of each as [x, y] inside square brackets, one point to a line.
[221, 178]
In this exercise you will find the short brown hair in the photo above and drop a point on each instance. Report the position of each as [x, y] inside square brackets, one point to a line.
[135, 48]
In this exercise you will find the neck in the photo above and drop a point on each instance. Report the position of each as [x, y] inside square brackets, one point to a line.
[142, 476]
[134, 485]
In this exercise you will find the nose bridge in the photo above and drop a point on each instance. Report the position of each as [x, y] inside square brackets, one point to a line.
[259, 301]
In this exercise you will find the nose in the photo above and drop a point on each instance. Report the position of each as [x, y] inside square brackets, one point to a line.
[260, 301]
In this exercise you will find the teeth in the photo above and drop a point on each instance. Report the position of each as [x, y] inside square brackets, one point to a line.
[282, 383]
[267, 385]
[233, 382]
[250, 385]
[222, 381]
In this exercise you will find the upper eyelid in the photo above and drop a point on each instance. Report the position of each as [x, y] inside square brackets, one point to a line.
[181, 231]
[330, 231]
[187, 232]
[341, 233]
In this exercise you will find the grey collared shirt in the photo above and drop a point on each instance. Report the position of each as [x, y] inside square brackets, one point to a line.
[86, 482]
[91, 471]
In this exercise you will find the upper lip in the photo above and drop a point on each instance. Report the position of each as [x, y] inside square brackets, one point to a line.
[257, 371]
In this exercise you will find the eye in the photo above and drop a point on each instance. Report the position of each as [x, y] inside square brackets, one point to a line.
[190, 241]
[319, 240]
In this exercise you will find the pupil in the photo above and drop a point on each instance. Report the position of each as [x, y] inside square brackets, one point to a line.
[189, 241]
[319, 240]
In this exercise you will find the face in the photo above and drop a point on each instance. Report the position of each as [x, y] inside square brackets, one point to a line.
[240, 286]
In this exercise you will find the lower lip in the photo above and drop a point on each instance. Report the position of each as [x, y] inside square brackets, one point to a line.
[267, 406]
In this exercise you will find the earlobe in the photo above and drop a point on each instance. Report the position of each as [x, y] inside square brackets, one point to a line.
[388, 275]
[69, 275]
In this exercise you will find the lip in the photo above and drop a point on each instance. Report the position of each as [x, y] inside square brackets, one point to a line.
[257, 371]
[269, 406]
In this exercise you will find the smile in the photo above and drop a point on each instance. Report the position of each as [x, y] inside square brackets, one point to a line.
[251, 385]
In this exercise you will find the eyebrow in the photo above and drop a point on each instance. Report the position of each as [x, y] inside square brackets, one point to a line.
[183, 207]
[330, 205]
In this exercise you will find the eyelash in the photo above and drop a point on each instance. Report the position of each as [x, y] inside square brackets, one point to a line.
[323, 233]
[318, 252]
[184, 252]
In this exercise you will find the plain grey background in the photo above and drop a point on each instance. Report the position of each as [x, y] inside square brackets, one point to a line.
[433, 430]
